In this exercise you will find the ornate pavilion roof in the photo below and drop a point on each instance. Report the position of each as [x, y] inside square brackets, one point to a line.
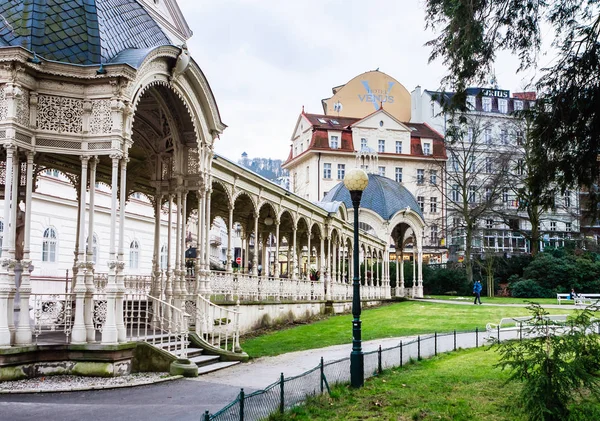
[382, 195]
[79, 31]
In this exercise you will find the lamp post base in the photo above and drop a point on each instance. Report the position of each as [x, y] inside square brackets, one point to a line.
[357, 369]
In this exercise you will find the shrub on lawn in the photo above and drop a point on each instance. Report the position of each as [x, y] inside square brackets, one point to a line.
[528, 288]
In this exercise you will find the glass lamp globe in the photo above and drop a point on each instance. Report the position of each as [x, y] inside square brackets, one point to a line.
[356, 180]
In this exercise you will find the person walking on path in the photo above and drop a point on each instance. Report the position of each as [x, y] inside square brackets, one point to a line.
[477, 291]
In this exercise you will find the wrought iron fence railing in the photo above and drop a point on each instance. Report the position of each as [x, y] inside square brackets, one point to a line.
[289, 391]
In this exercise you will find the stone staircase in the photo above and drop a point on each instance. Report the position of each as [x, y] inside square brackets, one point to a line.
[206, 363]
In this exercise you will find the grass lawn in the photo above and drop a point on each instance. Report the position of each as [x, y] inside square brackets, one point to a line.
[394, 320]
[459, 386]
[500, 300]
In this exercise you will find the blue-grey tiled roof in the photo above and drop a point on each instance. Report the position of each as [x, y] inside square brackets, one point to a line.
[382, 195]
[78, 31]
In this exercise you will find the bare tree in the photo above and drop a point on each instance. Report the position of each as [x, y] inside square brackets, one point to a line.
[474, 178]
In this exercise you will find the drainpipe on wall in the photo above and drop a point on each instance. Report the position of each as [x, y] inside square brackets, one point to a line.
[319, 178]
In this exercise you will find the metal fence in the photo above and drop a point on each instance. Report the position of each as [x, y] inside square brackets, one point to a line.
[290, 391]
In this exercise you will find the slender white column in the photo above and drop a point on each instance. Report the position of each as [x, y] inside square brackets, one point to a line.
[420, 273]
[309, 235]
[79, 332]
[169, 281]
[321, 266]
[256, 243]
[414, 284]
[5, 287]
[23, 332]
[402, 287]
[90, 264]
[328, 270]
[12, 235]
[207, 227]
[229, 267]
[183, 238]
[109, 330]
[276, 260]
[294, 256]
[121, 259]
[265, 262]
[156, 288]
[177, 271]
[199, 246]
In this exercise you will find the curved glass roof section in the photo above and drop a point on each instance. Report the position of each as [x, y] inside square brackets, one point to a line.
[78, 31]
[382, 195]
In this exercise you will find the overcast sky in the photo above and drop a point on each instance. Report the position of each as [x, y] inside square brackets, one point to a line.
[265, 59]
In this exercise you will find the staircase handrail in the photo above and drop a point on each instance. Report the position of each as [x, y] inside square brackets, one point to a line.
[168, 320]
[219, 326]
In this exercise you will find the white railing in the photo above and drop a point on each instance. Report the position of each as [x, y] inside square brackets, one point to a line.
[51, 313]
[158, 323]
[217, 325]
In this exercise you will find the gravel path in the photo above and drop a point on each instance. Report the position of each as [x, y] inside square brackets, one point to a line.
[68, 383]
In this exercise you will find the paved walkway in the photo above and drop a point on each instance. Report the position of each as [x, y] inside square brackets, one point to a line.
[184, 399]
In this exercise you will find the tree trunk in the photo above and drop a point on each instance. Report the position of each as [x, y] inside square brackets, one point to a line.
[468, 263]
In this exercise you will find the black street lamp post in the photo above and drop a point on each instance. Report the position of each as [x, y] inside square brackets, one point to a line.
[356, 181]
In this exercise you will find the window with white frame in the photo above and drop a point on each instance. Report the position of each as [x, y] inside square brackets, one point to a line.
[472, 194]
[455, 195]
[49, 245]
[489, 224]
[488, 194]
[334, 142]
[432, 109]
[363, 144]
[398, 175]
[381, 145]
[434, 233]
[382, 171]
[52, 173]
[503, 106]
[471, 160]
[453, 162]
[433, 177]
[519, 137]
[486, 104]
[327, 170]
[420, 176]
[433, 204]
[341, 171]
[470, 134]
[398, 146]
[520, 167]
[134, 255]
[163, 257]
[487, 136]
[552, 225]
[568, 227]
[456, 222]
[471, 102]
[567, 199]
[421, 202]
[426, 148]
[489, 165]
[505, 195]
[504, 136]
[518, 105]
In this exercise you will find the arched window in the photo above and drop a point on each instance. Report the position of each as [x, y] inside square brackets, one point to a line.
[134, 254]
[163, 257]
[49, 245]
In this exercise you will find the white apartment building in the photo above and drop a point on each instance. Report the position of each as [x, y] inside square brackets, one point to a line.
[499, 133]
[323, 147]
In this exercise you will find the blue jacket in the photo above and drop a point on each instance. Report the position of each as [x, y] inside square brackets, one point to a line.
[477, 287]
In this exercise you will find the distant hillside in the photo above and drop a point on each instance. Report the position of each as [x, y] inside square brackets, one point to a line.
[267, 167]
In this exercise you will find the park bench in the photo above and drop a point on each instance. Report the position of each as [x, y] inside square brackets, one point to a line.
[522, 324]
[579, 299]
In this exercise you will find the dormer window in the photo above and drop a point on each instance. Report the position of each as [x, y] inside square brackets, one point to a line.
[486, 104]
[322, 120]
[502, 106]
[334, 142]
[334, 122]
[518, 105]
[470, 102]
[426, 148]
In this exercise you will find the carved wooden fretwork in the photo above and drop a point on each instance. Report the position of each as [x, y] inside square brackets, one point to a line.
[3, 105]
[100, 119]
[23, 108]
[60, 114]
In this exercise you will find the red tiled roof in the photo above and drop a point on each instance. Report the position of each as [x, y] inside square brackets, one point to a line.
[330, 120]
